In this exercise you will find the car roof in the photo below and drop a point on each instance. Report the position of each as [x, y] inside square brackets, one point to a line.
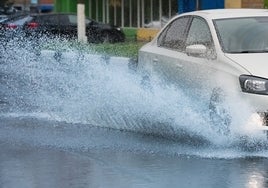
[49, 14]
[228, 13]
[35, 15]
[15, 17]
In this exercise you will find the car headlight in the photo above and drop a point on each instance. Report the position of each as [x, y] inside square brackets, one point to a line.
[252, 84]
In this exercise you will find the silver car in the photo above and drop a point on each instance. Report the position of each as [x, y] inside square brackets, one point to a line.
[215, 56]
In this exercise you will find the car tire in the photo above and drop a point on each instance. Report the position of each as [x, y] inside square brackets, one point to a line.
[105, 37]
[218, 112]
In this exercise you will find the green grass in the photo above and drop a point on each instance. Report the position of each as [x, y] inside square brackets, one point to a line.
[125, 49]
[129, 48]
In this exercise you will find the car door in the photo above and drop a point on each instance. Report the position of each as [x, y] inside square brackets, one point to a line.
[69, 25]
[66, 26]
[189, 72]
[49, 24]
[170, 51]
[200, 69]
[160, 57]
[93, 30]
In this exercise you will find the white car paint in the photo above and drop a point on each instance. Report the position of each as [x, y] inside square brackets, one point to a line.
[219, 66]
[256, 64]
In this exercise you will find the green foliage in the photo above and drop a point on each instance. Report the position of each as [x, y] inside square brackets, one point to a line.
[128, 49]
[265, 3]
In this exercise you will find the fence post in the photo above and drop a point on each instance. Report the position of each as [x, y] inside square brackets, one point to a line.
[81, 24]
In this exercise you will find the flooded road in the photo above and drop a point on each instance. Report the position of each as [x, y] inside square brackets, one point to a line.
[38, 153]
[73, 119]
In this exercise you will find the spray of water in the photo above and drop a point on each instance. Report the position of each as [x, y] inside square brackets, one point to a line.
[88, 89]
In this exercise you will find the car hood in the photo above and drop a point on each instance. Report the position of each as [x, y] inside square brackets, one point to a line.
[255, 63]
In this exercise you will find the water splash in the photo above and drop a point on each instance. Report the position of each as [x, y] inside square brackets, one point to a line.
[77, 87]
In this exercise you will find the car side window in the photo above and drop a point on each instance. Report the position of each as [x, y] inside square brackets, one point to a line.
[199, 33]
[72, 19]
[64, 20]
[174, 36]
[49, 19]
[88, 21]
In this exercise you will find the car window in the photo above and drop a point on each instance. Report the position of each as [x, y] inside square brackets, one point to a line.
[199, 33]
[174, 36]
[243, 35]
[64, 19]
[48, 19]
[88, 21]
[73, 19]
[3, 18]
[22, 20]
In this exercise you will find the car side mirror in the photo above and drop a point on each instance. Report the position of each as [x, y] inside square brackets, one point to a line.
[197, 50]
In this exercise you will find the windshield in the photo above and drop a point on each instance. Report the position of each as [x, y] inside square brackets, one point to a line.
[243, 35]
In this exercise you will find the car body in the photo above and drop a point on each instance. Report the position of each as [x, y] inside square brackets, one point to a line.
[12, 26]
[213, 54]
[3, 18]
[65, 24]
[8, 10]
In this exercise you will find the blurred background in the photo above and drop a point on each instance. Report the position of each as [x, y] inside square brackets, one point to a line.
[141, 19]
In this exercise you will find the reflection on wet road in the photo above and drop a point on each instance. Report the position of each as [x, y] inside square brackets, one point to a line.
[38, 153]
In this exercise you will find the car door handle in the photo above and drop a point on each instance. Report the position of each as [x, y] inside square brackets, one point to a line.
[179, 66]
[155, 60]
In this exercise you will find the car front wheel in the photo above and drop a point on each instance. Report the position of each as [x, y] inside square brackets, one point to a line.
[218, 111]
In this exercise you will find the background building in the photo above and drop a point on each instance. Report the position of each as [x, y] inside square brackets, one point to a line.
[135, 13]
[21, 4]
[190, 5]
[125, 13]
[138, 13]
[35, 5]
[245, 3]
